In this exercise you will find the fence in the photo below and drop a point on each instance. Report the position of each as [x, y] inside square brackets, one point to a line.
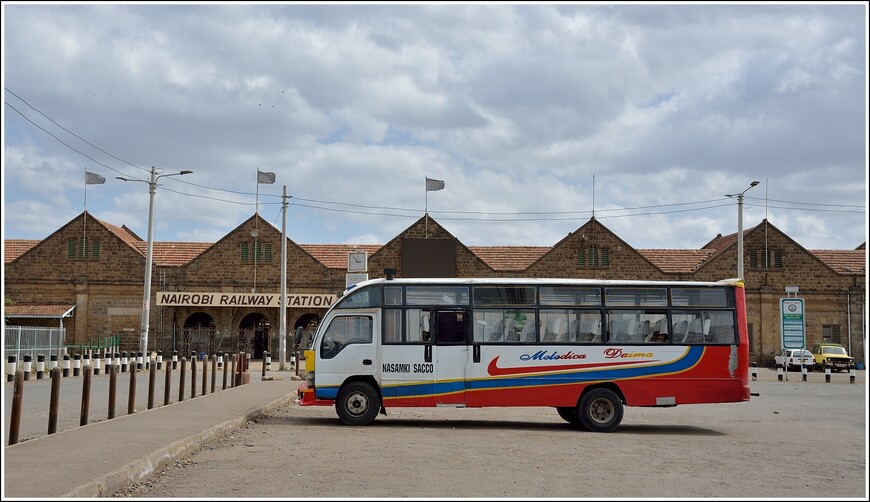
[30, 340]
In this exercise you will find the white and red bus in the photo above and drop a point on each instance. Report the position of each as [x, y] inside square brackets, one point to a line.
[584, 347]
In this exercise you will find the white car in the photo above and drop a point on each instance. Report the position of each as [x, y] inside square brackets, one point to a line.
[791, 359]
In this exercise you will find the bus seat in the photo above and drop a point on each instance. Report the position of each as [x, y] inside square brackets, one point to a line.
[497, 331]
[529, 332]
[564, 337]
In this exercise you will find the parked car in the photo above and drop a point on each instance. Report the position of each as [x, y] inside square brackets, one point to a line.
[792, 359]
[832, 353]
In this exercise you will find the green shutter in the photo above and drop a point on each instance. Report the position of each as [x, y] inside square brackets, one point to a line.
[71, 251]
[581, 258]
[84, 247]
[268, 249]
[244, 252]
[605, 259]
[95, 249]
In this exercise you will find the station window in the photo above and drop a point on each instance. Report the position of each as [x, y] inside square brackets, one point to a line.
[83, 249]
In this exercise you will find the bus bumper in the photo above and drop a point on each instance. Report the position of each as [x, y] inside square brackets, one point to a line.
[305, 397]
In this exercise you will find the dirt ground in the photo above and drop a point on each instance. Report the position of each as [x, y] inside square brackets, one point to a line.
[795, 440]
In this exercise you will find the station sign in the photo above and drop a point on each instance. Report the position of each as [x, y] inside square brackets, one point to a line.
[793, 324]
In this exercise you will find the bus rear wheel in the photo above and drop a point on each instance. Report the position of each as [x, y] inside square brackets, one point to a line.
[600, 410]
[357, 404]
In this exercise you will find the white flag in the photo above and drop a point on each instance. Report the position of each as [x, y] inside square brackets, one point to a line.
[433, 185]
[93, 179]
[265, 177]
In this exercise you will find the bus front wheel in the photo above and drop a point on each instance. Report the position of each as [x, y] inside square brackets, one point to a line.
[357, 404]
[600, 410]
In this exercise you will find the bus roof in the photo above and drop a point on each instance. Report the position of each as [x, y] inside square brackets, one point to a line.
[737, 282]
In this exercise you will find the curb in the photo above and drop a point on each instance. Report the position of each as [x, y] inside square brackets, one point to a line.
[134, 472]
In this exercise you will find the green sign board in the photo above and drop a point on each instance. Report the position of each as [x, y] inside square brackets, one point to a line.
[793, 326]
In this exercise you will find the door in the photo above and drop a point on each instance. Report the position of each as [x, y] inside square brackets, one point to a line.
[451, 355]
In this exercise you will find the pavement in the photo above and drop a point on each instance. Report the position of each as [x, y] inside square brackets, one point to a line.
[98, 459]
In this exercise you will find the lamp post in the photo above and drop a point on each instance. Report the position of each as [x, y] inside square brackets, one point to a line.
[146, 300]
[740, 227]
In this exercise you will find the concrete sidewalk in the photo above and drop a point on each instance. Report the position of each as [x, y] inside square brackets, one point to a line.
[98, 459]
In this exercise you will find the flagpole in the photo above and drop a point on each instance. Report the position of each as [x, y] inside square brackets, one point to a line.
[426, 208]
[85, 223]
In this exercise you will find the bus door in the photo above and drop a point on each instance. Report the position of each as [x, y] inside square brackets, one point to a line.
[451, 355]
[407, 370]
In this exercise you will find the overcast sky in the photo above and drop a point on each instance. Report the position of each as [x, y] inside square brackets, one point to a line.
[534, 116]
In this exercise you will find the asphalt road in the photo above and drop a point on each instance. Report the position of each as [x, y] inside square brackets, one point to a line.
[793, 440]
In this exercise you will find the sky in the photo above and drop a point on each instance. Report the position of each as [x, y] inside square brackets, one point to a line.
[535, 116]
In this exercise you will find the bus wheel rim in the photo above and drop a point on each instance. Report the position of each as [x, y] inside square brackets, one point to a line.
[357, 403]
[601, 410]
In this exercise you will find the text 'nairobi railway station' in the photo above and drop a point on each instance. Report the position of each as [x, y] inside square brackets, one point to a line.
[190, 299]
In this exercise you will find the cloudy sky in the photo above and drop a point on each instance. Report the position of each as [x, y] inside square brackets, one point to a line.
[534, 116]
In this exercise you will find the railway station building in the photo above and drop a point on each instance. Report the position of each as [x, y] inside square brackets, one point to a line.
[87, 279]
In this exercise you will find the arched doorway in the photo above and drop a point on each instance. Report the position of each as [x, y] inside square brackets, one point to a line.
[254, 335]
[198, 335]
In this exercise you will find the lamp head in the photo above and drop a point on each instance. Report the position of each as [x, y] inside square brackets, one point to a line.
[753, 184]
[189, 172]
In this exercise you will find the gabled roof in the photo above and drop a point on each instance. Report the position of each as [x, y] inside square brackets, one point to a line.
[677, 260]
[13, 248]
[173, 254]
[508, 258]
[335, 255]
[843, 261]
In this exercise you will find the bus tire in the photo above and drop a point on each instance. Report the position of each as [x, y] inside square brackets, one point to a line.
[569, 414]
[357, 404]
[600, 410]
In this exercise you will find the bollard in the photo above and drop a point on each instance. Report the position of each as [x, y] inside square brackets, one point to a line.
[113, 388]
[220, 359]
[97, 363]
[117, 362]
[192, 375]
[17, 399]
[52, 363]
[152, 374]
[827, 373]
[174, 359]
[159, 359]
[268, 361]
[86, 361]
[779, 372]
[27, 366]
[226, 367]
[213, 371]
[263, 371]
[181, 380]
[167, 384]
[140, 361]
[10, 368]
[131, 395]
[233, 372]
[54, 401]
[77, 365]
[66, 365]
[40, 366]
[108, 363]
[803, 371]
[851, 373]
[204, 374]
[124, 361]
[86, 395]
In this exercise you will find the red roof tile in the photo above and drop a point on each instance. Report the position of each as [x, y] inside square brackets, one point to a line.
[13, 248]
[677, 260]
[509, 258]
[335, 255]
[843, 261]
[173, 254]
[48, 311]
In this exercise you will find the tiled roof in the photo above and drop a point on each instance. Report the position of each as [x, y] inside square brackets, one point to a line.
[500, 258]
[677, 260]
[173, 254]
[508, 258]
[335, 255]
[843, 261]
[13, 248]
[47, 311]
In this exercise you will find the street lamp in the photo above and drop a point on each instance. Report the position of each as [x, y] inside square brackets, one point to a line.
[740, 227]
[146, 300]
